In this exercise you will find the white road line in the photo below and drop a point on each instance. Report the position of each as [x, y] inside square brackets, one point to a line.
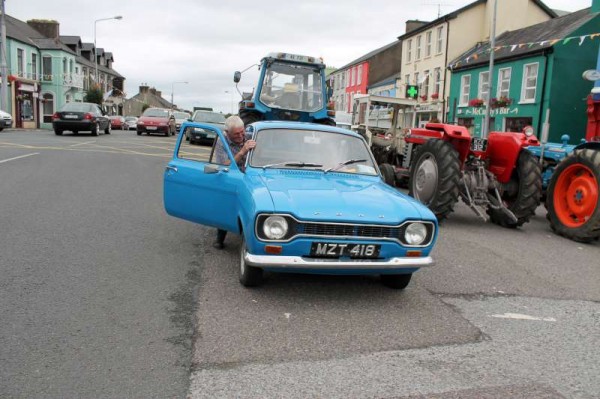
[87, 142]
[519, 316]
[22, 156]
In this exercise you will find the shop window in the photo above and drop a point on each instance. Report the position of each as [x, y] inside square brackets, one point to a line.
[468, 123]
[517, 124]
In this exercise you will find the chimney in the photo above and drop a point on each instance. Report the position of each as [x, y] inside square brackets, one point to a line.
[153, 91]
[413, 24]
[47, 27]
[158, 93]
[143, 89]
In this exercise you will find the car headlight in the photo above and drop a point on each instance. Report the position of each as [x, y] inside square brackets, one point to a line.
[275, 227]
[528, 130]
[415, 233]
[198, 130]
[140, 122]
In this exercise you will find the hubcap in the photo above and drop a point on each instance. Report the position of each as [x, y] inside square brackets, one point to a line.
[425, 184]
[575, 195]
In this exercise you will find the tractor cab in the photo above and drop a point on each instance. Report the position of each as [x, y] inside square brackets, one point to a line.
[291, 87]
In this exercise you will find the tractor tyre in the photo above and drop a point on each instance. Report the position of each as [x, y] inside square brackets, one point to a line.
[250, 117]
[389, 174]
[524, 198]
[434, 177]
[573, 196]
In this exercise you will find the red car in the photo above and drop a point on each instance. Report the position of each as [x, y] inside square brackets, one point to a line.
[117, 122]
[156, 120]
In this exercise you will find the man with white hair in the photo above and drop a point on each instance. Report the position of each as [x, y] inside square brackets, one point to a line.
[240, 145]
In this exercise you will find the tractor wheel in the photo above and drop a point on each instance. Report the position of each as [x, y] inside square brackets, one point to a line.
[573, 195]
[389, 173]
[524, 197]
[434, 177]
[250, 117]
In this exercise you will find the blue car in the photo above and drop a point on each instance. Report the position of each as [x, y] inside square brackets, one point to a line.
[311, 200]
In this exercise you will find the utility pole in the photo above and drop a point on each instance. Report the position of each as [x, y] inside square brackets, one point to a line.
[3, 66]
[486, 121]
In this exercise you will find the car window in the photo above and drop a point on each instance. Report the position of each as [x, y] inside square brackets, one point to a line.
[78, 107]
[181, 115]
[194, 152]
[156, 112]
[328, 150]
[209, 117]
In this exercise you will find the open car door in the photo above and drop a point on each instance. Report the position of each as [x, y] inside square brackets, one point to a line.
[197, 188]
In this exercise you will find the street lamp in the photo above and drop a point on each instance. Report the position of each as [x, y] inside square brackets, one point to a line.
[172, 88]
[95, 51]
[231, 92]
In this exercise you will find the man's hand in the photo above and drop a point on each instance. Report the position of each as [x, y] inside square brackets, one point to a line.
[248, 145]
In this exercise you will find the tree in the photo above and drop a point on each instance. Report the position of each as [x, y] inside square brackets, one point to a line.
[95, 94]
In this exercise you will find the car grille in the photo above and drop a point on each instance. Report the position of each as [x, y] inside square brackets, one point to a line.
[347, 230]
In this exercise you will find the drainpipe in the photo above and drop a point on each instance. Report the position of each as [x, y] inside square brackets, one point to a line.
[543, 95]
[444, 113]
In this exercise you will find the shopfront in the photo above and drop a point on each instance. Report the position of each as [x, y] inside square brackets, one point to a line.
[26, 104]
[503, 119]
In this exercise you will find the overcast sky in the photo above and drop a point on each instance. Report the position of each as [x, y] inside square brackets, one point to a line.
[203, 42]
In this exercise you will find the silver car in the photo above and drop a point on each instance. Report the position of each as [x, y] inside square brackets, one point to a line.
[5, 120]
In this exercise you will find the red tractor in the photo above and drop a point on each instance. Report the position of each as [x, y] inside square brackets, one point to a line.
[496, 176]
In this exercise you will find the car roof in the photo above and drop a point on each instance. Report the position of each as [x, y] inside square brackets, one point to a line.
[302, 126]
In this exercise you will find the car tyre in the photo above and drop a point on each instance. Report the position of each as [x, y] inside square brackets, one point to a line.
[95, 130]
[58, 132]
[396, 281]
[108, 129]
[389, 174]
[250, 276]
[139, 133]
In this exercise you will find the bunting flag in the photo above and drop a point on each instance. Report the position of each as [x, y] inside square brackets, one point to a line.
[513, 47]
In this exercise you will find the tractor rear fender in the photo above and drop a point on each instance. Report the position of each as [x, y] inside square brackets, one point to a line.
[503, 151]
[458, 136]
[592, 145]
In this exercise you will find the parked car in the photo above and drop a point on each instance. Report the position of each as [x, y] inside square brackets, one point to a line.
[199, 135]
[77, 117]
[311, 200]
[118, 122]
[156, 120]
[180, 117]
[131, 122]
[5, 120]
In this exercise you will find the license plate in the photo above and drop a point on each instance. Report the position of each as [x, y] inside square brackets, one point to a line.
[478, 144]
[71, 116]
[335, 250]
[151, 128]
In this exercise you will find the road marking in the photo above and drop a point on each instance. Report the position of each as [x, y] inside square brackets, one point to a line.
[519, 316]
[19, 157]
[87, 142]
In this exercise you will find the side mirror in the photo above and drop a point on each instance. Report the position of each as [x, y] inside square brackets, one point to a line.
[237, 76]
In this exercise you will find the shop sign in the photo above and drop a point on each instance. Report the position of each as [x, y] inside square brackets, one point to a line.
[480, 111]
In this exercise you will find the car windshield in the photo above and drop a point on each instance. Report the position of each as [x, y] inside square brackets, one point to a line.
[311, 149]
[181, 115]
[209, 117]
[78, 107]
[156, 112]
[290, 86]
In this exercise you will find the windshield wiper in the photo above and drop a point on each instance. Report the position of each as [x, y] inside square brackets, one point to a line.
[348, 162]
[294, 164]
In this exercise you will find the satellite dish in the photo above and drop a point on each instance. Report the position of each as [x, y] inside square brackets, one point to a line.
[591, 75]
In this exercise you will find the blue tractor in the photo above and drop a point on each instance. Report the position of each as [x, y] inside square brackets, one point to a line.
[291, 87]
[552, 154]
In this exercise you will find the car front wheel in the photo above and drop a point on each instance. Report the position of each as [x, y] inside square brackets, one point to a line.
[249, 276]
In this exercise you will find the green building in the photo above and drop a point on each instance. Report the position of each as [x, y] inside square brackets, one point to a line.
[537, 69]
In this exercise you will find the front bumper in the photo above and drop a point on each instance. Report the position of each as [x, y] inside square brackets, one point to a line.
[152, 129]
[407, 264]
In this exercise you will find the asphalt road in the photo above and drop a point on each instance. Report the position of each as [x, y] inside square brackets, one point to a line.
[103, 295]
